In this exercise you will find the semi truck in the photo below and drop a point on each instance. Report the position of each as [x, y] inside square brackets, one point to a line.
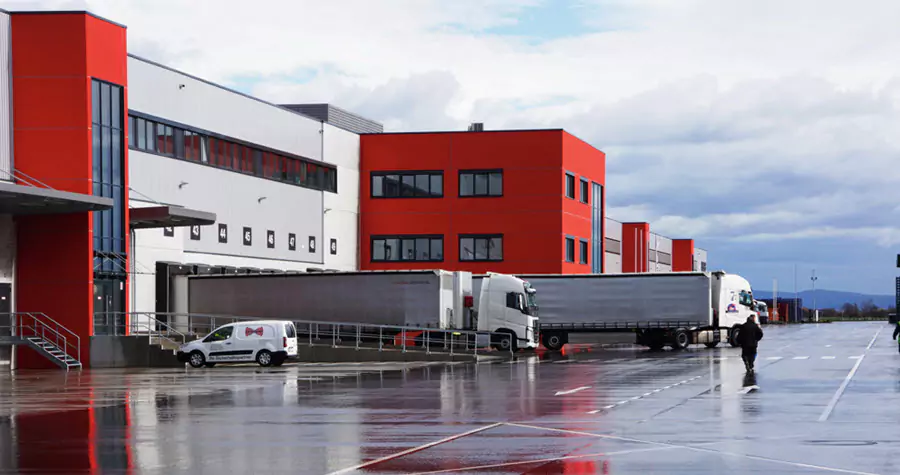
[674, 309]
[432, 299]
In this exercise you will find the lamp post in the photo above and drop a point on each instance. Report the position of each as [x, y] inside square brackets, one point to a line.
[813, 278]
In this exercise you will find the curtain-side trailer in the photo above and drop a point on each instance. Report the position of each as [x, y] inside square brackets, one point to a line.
[663, 309]
[435, 299]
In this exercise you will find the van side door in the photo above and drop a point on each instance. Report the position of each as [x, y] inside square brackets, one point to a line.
[219, 343]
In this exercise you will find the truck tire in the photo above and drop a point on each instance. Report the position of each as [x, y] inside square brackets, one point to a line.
[555, 341]
[509, 343]
[733, 336]
[681, 339]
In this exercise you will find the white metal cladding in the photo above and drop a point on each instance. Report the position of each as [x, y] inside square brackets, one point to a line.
[341, 211]
[158, 91]
[613, 263]
[613, 230]
[6, 162]
[238, 201]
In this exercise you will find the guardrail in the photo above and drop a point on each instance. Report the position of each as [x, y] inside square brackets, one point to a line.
[37, 324]
[359, 335]
[152, 328]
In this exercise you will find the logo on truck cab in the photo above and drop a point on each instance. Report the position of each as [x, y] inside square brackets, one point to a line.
[731, 308]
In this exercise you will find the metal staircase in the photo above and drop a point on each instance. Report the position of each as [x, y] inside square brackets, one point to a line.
[43, 334]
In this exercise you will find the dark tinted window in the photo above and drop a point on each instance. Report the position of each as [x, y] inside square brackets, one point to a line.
[570, 250]
[408, 248]
[407, 185]
[481, 248]
[481, 183]
[570, 186]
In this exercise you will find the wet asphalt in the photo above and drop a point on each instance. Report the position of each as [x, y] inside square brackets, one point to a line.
[825, 399]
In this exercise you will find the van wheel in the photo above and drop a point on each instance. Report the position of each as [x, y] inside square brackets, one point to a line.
[197, 359]
[264, 358]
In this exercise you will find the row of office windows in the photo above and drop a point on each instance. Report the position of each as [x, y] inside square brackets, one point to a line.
[584, 188]
[177, 142]
[582, 250]
[430, 248]
[430, 184]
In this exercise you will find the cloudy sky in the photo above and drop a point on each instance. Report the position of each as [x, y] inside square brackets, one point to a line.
[768, 130]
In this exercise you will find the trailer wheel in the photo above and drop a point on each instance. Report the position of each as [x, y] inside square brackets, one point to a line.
[554, 341]
[681, 339]
[733, 336]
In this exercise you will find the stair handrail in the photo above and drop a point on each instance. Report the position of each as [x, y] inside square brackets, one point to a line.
[37, 316]
[158, 333]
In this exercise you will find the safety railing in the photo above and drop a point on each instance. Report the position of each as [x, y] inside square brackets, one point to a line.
[142, 325]
[357, 335]
[37, 324]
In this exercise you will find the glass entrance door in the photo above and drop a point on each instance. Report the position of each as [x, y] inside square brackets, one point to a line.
[109, 316]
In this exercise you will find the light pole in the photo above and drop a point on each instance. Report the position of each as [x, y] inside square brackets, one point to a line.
[815, 309]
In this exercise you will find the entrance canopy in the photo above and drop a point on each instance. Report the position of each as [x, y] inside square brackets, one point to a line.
[27, 200]
[169, 216]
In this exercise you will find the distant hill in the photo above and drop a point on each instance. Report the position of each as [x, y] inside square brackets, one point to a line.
[830, 298]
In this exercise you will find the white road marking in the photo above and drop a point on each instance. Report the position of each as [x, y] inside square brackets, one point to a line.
[692, 448]
[775, 358]
[570, 391]
[621, 402]
[647, 394]
[657, 390]
[636, 398]
[801, 357]
[416, 449]
[827, 346]
[748, 389]
[872, 343]
[828, 357]
[855, 357]
[840, 391]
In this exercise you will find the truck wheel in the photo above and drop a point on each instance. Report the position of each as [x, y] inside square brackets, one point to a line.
[711, 344]
[507, 343]
[197, 359]
[264, 358]
[554, 341]
[681, 339]
[733, 337]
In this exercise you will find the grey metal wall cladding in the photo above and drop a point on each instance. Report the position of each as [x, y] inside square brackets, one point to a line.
[6, 164]
[387, 299]
[665, 258]
[338, 117]
[611, 298]
[613, 246]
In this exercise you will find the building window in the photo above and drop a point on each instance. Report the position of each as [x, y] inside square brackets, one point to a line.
[155, 137]
[570, 185]
[407, 184]
[585, 191]
[570, 249]
[481, 183]
[413, 248]
[583, 251]
[481, 247]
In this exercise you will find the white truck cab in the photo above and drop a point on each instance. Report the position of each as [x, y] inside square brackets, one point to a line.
[267, 342]
[507, 304]
[733, 303]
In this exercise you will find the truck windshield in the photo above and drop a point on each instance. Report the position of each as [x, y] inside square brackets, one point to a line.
[530, 299]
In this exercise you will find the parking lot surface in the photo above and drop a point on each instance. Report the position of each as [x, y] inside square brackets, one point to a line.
[825, 399]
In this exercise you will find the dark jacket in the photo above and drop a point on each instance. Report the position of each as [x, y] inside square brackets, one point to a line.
[896, 331]
[750, 335]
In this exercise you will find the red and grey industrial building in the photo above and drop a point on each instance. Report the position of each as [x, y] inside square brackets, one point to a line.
[117, 173]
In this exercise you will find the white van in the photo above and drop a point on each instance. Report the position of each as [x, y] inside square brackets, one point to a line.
[268, 342]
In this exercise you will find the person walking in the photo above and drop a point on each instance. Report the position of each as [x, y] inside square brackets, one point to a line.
[748, 338]
[896, 334]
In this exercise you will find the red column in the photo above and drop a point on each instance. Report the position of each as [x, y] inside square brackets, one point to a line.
[682, 255]
[635, 247]
[54, 57]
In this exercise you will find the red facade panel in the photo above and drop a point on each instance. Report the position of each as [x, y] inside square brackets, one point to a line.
[529, 214]
[635, 247]
[682, 255]
[52, 69]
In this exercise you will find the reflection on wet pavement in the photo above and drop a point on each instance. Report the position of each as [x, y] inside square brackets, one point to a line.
[591, 410]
